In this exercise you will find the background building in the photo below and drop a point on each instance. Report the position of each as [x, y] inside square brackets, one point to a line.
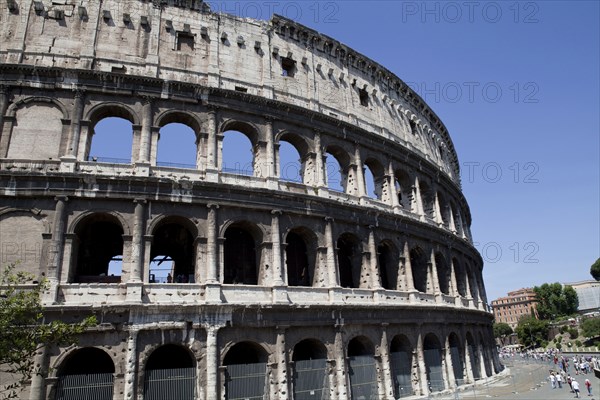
[515, 305]
[588, 294]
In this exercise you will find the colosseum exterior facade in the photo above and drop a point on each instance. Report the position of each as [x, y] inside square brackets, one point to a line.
[281, 289]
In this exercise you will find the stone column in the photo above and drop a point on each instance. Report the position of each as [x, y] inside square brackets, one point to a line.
[468, 364]
[212, 362]
[424, 387]
[393, 191]
[438, 211]
[340, 360]
[434, 277]
[37, 390]
[386, 390]
[131, 364]
[3, 104]
[137, 245]
[360, 174]
[146, 137]
[282, 363]
[276, 244]
[373, 262]
[418, 200]
[449, 376]
[331, 253]
[320, 169]
[270, 167]
[480, 353]
[73, 144]
[212, 152]
[212, 251]
[453, 282]
[56, 248]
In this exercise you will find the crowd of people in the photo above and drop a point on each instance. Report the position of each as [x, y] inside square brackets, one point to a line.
[564, 366]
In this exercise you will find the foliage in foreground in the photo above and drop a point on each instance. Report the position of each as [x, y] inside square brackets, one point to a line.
[23, 330]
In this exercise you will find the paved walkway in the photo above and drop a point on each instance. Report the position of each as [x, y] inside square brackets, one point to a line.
[523, 381]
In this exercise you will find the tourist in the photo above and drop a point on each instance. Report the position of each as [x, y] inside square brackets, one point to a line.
[553, 380]
[559, 380]
[570, 382]
[575, 386]
[588, 386]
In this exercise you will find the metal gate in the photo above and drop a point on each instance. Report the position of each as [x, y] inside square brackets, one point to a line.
[363, 378]
[474, 356]
[246, 381]
[311, 380]
[170, 384]
[435, 374]
[401, 374]
[88, 387]
[457, 365]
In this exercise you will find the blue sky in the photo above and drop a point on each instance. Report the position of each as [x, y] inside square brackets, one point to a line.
[517, 85]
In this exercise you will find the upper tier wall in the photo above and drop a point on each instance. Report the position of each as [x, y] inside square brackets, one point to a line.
[277, 59]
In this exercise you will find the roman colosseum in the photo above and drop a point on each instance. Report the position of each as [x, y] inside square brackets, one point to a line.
[279, 286]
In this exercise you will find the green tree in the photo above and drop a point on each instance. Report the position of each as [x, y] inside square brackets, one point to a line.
[554, 300]
[590, 327]
[532, 331]
[595, 270]
[23, 330]
[502, 329]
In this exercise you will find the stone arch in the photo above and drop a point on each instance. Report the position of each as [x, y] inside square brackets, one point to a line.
[349, 255]
[242, 253]
[445, 210]
[179, 135]
[432, 351]
[90, 370]
[247, 128]
[183, 117]
[402, 366]
[245, 374]
[98, 244]
[387, 260]
[404, 189]
[300, 256]
[471, 349]
[427, 198]
[293, 170]
[362, 369]
[485, 353]
[230, 164]
[459, 273]
[343, 160]
[420, 269]
[173, 240]
[170, 368]
[111, 109]
[378, 172]
[443, 272]
[111, 113]
[457, 354]
[38, 128]
[77, 220]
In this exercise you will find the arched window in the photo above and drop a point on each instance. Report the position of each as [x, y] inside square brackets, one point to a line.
[349, 260]
[170, 369]
[237, 154]
[432, 352]
[87, 373]
[444, 210]
[246, 371]
[473, 354]
[112, 141]
[443, 272]
[241, 263]
[99, 249]
[310, 377]
[401, 363]
[419, 265]
[334, 174]
[388, 265]
[427, 197]
[176, 146]
[290, 164]
[404, 190]
[172, 241]
[374, 178]
[300, 271]
[459, 272]
[362, 368]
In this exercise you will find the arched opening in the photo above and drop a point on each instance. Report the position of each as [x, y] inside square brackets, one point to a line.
[172, 239]
[473, 354]
[444, 210]
[99, 249]
[459, 272]
[484, 351]
[362, 369]
[472, 283]
[401, 363]
[443, 272]
[176, 146]
[419, 264]
[112, 141]
[161, 269]
[404, 190]
[427, 197]
[300, 270]
[457, 361]
[432, 352]
[374, 179]
[241, 263]
[310, 376]
[388, 265]
[170, 371]
[87, 373]
[37, 130]
[334, 174]
[245, 371]
[237, 154]
[291, 167]
[349, 260]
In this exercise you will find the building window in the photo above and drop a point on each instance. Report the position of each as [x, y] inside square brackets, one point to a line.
[288, 67]
[185, 42]
[364, 97]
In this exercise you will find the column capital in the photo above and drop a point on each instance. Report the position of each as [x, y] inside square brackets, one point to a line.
[276, 212]
[147, 99]
[140, 201]
[212, 206]
[329, 219]
[61, 198]
[79, 92]
[212, 109]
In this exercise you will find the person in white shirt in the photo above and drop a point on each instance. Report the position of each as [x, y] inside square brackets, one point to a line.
[575, 386]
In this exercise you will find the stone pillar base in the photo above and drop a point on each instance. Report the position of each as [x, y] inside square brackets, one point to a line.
[142, 169]
[134, 292]
[279, 295]
[212, 293]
